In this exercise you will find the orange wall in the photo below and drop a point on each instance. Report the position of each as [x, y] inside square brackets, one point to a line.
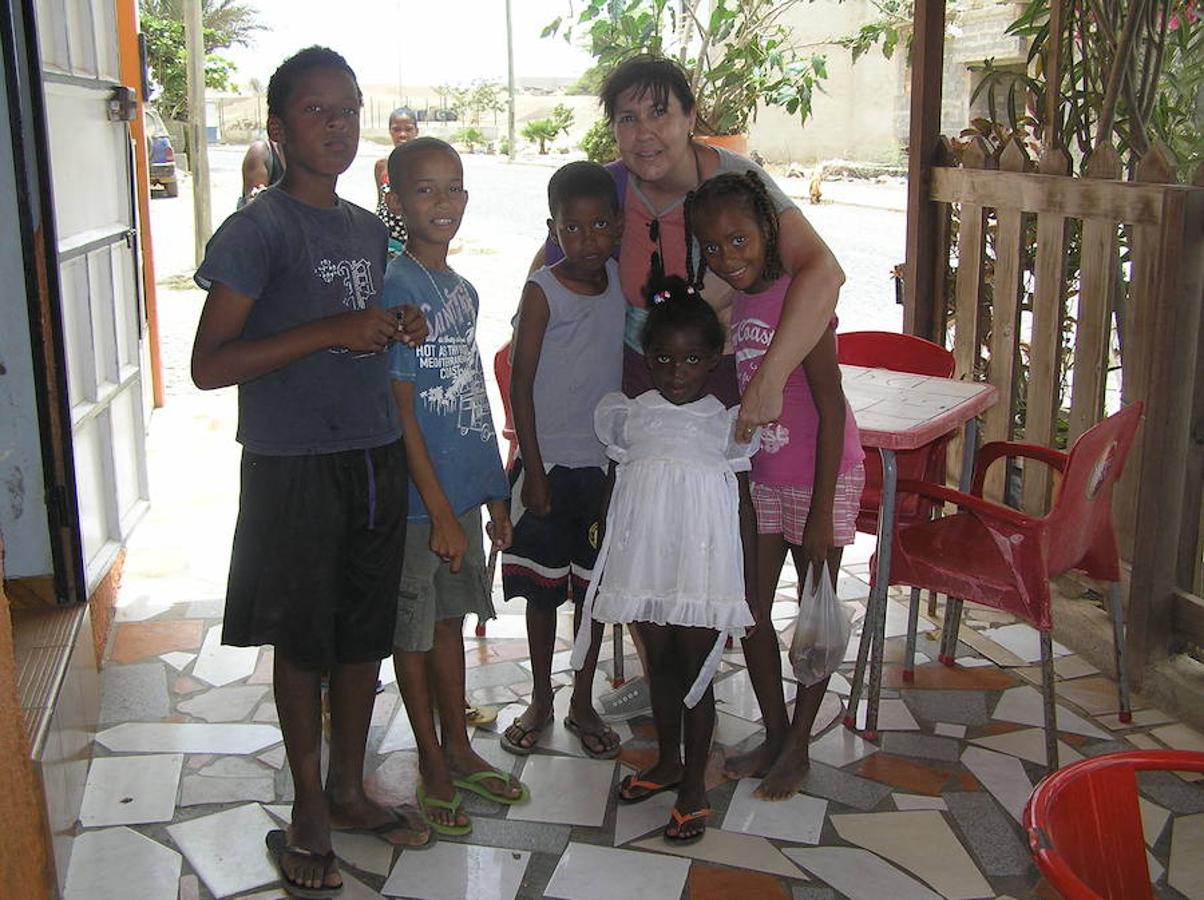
[25, 861]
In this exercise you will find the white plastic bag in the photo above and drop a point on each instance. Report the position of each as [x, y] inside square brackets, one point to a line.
[821, 632]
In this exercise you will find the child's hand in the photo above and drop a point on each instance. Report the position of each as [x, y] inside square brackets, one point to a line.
[537, 493]
[818, 540]
[411, 324]
[363, 331]
[448, 541]
[499, 528]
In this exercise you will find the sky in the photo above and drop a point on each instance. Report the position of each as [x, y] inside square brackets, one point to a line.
[419, 41]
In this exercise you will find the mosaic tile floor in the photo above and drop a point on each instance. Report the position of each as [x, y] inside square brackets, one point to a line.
[189, 771]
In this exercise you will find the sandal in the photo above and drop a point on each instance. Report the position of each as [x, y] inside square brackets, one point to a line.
[400, 824]
[649, 788]
[476, 784]
[479, 715]
[452, 805]
[679, 819]
[517, 748]
[582, 734]
[278, 846]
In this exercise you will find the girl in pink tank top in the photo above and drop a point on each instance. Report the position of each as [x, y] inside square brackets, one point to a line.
[807, 476]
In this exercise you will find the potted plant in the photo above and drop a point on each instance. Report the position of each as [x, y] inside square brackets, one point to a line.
[739, 55]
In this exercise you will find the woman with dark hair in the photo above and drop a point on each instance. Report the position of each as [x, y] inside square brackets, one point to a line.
[649, 104]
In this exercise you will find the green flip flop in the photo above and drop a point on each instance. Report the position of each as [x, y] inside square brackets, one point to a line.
[476, 784]
[435, 803]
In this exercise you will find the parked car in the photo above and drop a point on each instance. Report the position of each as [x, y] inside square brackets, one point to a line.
[161, 154]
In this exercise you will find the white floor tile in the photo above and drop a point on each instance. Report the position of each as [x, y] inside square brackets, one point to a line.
[1153, 820]
[798, 820]
[1002, 775]
[729, 848]
[1180, 737]
[908, 802]
[224, 704]
[364, 851]
[1028, 743]
[922, 843]
[1023, 640]
[859, 873]
[1024, 705]
[178, 660]
[120, 863]
[949, 729]
[565, 790]
[893, 715]
[731, 730]
[219, 665]
[124, 790]
[227, 848]
[734, 694]
[839, 747]
[504, 627]
[400, 736]
[586, 872]
[1186, 870]
[170, 737]
[458, 872]
[200, 790]
[634, 820]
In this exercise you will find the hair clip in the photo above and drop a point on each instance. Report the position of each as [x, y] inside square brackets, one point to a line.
[690, 290]
[660, 296]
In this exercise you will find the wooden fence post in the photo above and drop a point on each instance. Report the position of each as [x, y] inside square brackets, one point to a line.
[1045, 346]
[1005, 317]
[1092, 324]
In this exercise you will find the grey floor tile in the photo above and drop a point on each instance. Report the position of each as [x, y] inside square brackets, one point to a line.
[990, 835]
[811, 892]
[537, 837]
[1169, 790]
[833, 784]
[959, 707]
[903, 743]
[135, 693]
[503, 673]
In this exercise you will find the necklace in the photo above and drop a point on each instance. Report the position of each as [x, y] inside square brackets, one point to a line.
[431, 278]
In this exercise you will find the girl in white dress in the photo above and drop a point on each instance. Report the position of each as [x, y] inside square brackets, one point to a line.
[677, 557]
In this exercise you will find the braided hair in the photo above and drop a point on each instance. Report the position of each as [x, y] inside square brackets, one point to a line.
[747, 190]
[674, 304]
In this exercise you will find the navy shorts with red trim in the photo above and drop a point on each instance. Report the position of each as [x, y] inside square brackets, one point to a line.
[552, 557]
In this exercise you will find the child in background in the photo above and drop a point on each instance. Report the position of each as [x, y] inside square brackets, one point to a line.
[293, 319]
[678, 557]
[807, 477]
[403, 126]
[568, 353]
[455, 468]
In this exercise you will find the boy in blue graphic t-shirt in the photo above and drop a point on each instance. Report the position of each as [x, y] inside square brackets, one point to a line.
[455, 467]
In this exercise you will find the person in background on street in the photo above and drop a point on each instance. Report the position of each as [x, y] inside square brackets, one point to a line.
[568, 354]
[403, 126]
[262, 167]
[455, 467]
[808, 475]
[677, 558]
[293, 318]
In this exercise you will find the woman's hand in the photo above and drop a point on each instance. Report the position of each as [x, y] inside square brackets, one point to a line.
[760, 404]
[499, 528]
[818, 540]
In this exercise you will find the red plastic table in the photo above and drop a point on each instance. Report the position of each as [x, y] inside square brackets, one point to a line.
[900, 411]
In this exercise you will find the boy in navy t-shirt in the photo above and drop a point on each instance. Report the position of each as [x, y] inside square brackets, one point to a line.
[293, 318]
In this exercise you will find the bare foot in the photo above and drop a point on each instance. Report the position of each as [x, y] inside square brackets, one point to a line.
[598, 738]
[467, 762]
[361, 811]
[755, 763]
[524, 731]
[787, 774]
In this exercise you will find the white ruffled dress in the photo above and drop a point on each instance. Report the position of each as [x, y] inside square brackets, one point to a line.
[672, 552]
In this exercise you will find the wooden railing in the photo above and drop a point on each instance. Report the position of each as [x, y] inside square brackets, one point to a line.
[1018, 316]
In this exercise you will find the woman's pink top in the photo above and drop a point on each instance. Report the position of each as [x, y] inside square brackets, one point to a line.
[787, 455]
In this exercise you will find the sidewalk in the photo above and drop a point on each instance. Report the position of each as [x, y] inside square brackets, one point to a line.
[189, 771]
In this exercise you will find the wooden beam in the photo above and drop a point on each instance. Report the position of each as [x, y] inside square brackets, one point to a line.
[923, 293]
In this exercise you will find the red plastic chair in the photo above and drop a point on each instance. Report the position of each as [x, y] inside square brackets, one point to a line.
[501, 371]
[1083, 824]
[899, 353]
[1000, 557]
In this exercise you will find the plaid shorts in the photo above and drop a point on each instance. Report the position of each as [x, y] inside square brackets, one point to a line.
[782, 509]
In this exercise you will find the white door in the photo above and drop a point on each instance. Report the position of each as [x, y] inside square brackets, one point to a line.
[103, 323]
